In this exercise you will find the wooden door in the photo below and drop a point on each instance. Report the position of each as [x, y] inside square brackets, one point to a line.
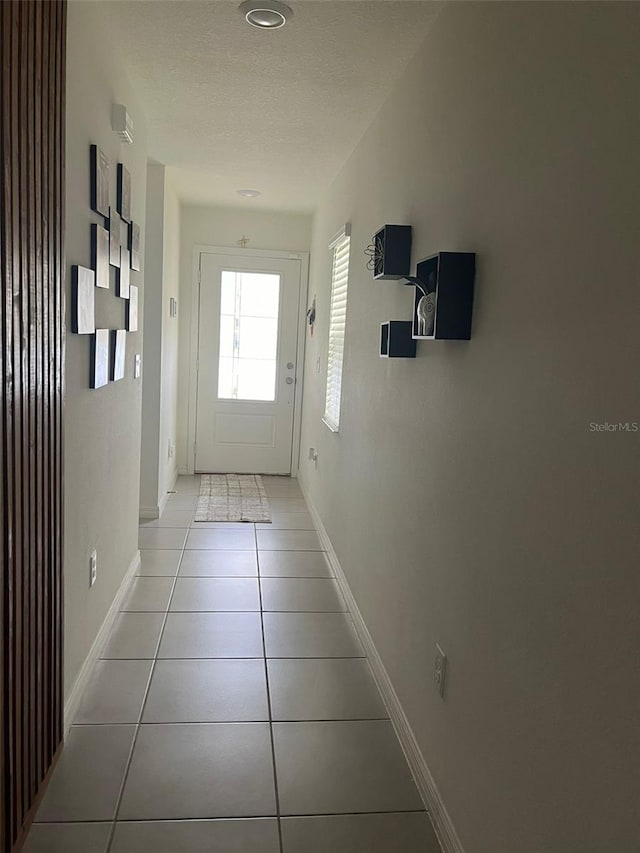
[32, 83]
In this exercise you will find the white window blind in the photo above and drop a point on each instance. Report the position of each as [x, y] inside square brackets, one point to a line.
[337, 321]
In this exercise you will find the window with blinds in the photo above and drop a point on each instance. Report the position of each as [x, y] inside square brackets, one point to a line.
[337, 320]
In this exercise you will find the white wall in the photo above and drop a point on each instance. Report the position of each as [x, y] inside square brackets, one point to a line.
[467, 498]
[159, 397]
[102, 426]
[210, 226]
[152, 354]
[170, 326]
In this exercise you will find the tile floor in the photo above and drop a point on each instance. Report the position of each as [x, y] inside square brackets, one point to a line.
[233, 709]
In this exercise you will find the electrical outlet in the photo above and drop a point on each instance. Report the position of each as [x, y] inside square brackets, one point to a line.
[313, 455]
[93, 567]
[136, 366]
[440, 670]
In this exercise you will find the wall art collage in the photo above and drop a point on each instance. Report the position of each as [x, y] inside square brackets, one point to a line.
[108, 249]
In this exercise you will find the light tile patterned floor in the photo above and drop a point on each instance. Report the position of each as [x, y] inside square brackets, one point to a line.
[191, 738]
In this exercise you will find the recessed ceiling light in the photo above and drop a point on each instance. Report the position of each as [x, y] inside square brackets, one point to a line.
[265, 14]
[248, 193]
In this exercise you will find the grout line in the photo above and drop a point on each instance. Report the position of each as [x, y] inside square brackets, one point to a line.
[269, 706]
[144, 701]
[256, 610]
[248, 657]
[236, 817]
[267, 578]
[236, 722]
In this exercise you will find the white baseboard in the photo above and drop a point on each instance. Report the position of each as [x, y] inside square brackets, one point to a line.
[149, 512]
[444, 829]
[75, 697]
[173, 479]
[156, 511]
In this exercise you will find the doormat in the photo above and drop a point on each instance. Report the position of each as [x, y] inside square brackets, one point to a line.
[232, 497]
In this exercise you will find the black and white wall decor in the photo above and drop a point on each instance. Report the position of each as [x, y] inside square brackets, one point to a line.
[118, 353]
[134, 246]
[443, 297]
[390, 252]
[124, 193]
[108, 249]
[443, 292]
[132, 309]
[82, 290]
[100, 358]
[123, 274]
[115, 232]
[100, 254]
[99, 181]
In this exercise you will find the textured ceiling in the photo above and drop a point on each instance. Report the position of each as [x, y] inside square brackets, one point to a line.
[229, 106]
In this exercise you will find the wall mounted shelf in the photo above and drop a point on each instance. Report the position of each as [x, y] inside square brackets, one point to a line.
[443, 301]
[392, 252]
[396, 340]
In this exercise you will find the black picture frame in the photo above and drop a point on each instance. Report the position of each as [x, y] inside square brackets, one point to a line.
[118, 354]
[123, 274]
[115, 237]
[100, 254]
[124, 193]
[83, 300]
[134, 246]
[100, 358]
[99, 180]
[132, 309]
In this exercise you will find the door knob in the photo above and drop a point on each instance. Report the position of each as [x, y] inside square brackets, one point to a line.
[289, 365]
[289, 380]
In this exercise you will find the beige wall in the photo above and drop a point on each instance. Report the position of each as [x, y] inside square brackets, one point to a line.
[102, 428]
[468, 500]
[209, 226]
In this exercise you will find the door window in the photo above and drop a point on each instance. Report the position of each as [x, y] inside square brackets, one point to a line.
[249, 307]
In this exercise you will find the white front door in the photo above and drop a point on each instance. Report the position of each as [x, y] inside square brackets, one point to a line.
[247, 343]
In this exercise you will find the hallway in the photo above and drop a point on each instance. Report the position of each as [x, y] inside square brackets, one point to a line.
[232, 710]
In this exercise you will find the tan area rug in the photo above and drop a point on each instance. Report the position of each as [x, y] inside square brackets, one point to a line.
[232, 497]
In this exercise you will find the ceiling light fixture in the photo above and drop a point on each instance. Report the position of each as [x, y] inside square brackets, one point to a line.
[265, 14]
[248, 193]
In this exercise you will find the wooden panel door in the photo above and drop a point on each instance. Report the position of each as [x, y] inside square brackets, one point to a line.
[32, 83]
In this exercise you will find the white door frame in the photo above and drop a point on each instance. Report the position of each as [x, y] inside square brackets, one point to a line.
[303, 257]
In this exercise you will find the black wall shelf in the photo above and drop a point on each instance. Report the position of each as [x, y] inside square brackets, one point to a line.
[446, 278]
[396, 340]
[392, 252]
